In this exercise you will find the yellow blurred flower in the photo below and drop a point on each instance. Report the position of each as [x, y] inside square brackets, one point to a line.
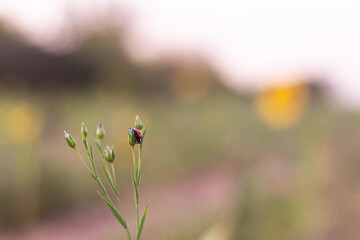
[282, 106]
[22, 123]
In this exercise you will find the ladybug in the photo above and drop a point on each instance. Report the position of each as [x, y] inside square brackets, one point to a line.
[138, 134]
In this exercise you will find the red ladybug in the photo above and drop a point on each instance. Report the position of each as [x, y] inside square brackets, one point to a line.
[138, 134]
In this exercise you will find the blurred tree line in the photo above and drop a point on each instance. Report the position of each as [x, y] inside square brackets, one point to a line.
[99, 60]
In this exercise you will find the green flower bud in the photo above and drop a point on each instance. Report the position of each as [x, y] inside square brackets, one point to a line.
[138, 123]
[100, 132]
[131, 137]
[70, 140]
[84, 130]
[109, 154]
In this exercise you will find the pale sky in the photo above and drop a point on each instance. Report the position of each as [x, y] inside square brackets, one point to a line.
[251, 42]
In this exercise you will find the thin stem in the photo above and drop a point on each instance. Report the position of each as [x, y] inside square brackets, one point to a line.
[128, 234]
[137, 216]
[98, 181]
[139, 168]
[96, 178]
[101, 150]
[120, 206]
[136, 194]
[133, 154]
[91, 158]
[113, 172]
[83, 162]
[99, 144]
[117, 197]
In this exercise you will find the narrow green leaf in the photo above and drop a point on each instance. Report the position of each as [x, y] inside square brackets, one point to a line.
[114, 212]
[142, 223]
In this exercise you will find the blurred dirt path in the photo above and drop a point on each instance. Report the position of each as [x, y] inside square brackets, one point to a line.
[171, 203]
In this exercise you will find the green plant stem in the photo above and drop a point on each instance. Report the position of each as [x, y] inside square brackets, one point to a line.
[95, 177]
[120, 206]
[101, 150]
[112, 180]
[89, 153]
[128, 234]
[137, 216]
[98, 181]
[136, 194]
[83, 162]
[139, 168]
[111, 177]
[133, 154]
[117, 197]
[113, 172]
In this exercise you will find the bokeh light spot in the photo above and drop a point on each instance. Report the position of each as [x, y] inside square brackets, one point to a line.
[282, 106]
[23, 123]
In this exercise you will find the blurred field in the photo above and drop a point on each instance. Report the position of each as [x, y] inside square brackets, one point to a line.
[281, 163]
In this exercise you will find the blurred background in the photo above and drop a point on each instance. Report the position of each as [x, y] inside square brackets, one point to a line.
[252, 106]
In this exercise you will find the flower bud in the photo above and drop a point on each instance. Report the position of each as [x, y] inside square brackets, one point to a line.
[100, 132]
[84, 130]
[131, 137]
[70, 140]
[138, 123]
[109, 154]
